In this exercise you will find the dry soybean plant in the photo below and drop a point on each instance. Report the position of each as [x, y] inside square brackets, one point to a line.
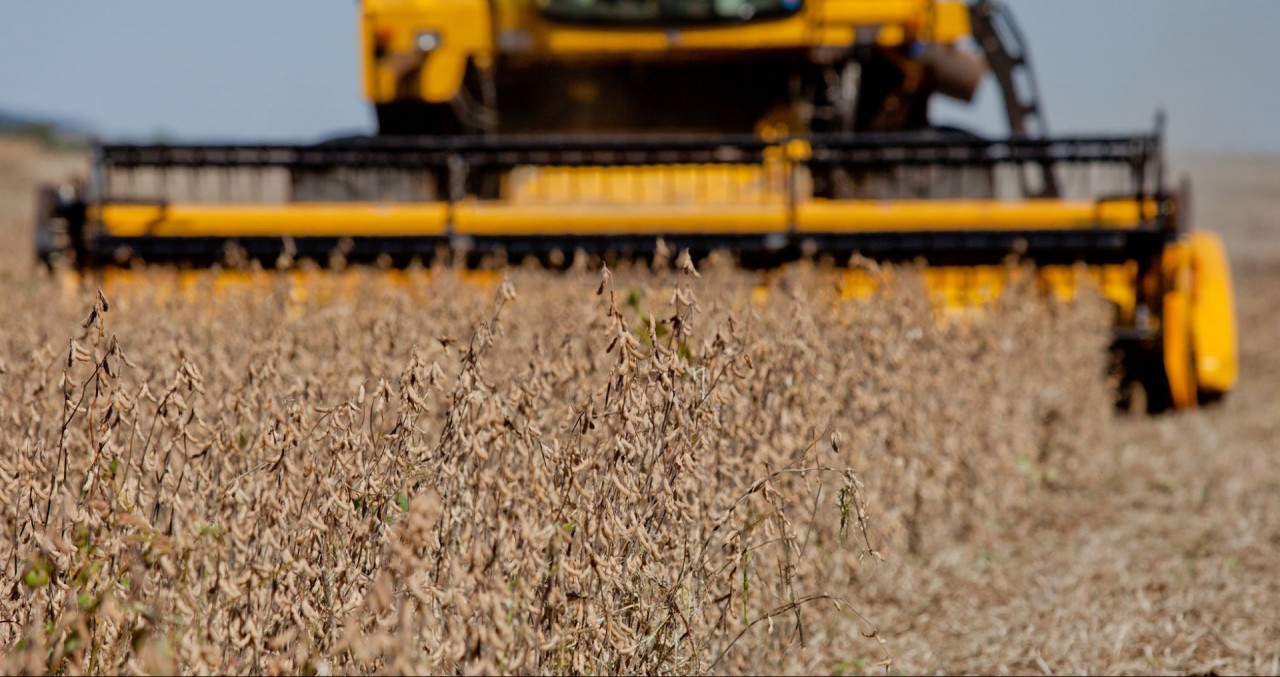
[669, 475]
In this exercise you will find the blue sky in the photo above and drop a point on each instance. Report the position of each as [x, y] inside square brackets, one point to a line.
[287, 69]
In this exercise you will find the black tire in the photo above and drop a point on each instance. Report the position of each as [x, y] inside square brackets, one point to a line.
[1210, 398]
[1142, 381]
[1159, 395]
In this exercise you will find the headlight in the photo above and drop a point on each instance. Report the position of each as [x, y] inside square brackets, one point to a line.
[426, 41]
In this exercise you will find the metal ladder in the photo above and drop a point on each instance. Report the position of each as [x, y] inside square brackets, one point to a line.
[1001, 41]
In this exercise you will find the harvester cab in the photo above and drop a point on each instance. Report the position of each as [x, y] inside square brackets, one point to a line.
[773, 129]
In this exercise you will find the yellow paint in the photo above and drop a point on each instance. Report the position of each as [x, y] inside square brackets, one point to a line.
[468, 29]
[339, 219]
[653, 184]
[476, 218]
[465, 34]
[872, 12]
[300, 289]
[590, 207]
[890, 36]
[487, 279]
[1176, 325]
[962, 288]
[951, 22]
[566, 40]
[836, 216]
[1213, 321]
[835, 35]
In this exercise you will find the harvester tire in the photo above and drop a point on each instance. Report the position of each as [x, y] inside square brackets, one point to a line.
[1156, 390]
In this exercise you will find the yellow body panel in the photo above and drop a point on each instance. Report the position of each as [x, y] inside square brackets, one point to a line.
[498, 220]
[906, 215]
[259, 220]
[950, 22]
[585, 218]
[861, 12]
[1213, 321]
[966, 287]
[795, 31]
[1176, 325]
[476, 31]
[945, 21]
[1198, 323]
[819, 23]
[654, 184]
[465, 32]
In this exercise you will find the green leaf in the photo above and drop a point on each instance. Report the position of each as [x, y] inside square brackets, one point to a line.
[403, 502]
[73, 641]
[37, 575]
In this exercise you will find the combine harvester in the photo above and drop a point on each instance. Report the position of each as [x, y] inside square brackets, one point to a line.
[773, 129]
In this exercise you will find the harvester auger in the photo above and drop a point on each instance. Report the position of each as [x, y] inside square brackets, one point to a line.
[773, 129]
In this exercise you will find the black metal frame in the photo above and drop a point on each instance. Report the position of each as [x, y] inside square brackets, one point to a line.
[865, 150]
[987, 247]
[455, 158]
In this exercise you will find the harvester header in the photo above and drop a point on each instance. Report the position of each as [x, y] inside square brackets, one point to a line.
[615, 196]
[772, 129]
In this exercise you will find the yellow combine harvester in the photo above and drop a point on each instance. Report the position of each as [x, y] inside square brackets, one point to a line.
[775, 129]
